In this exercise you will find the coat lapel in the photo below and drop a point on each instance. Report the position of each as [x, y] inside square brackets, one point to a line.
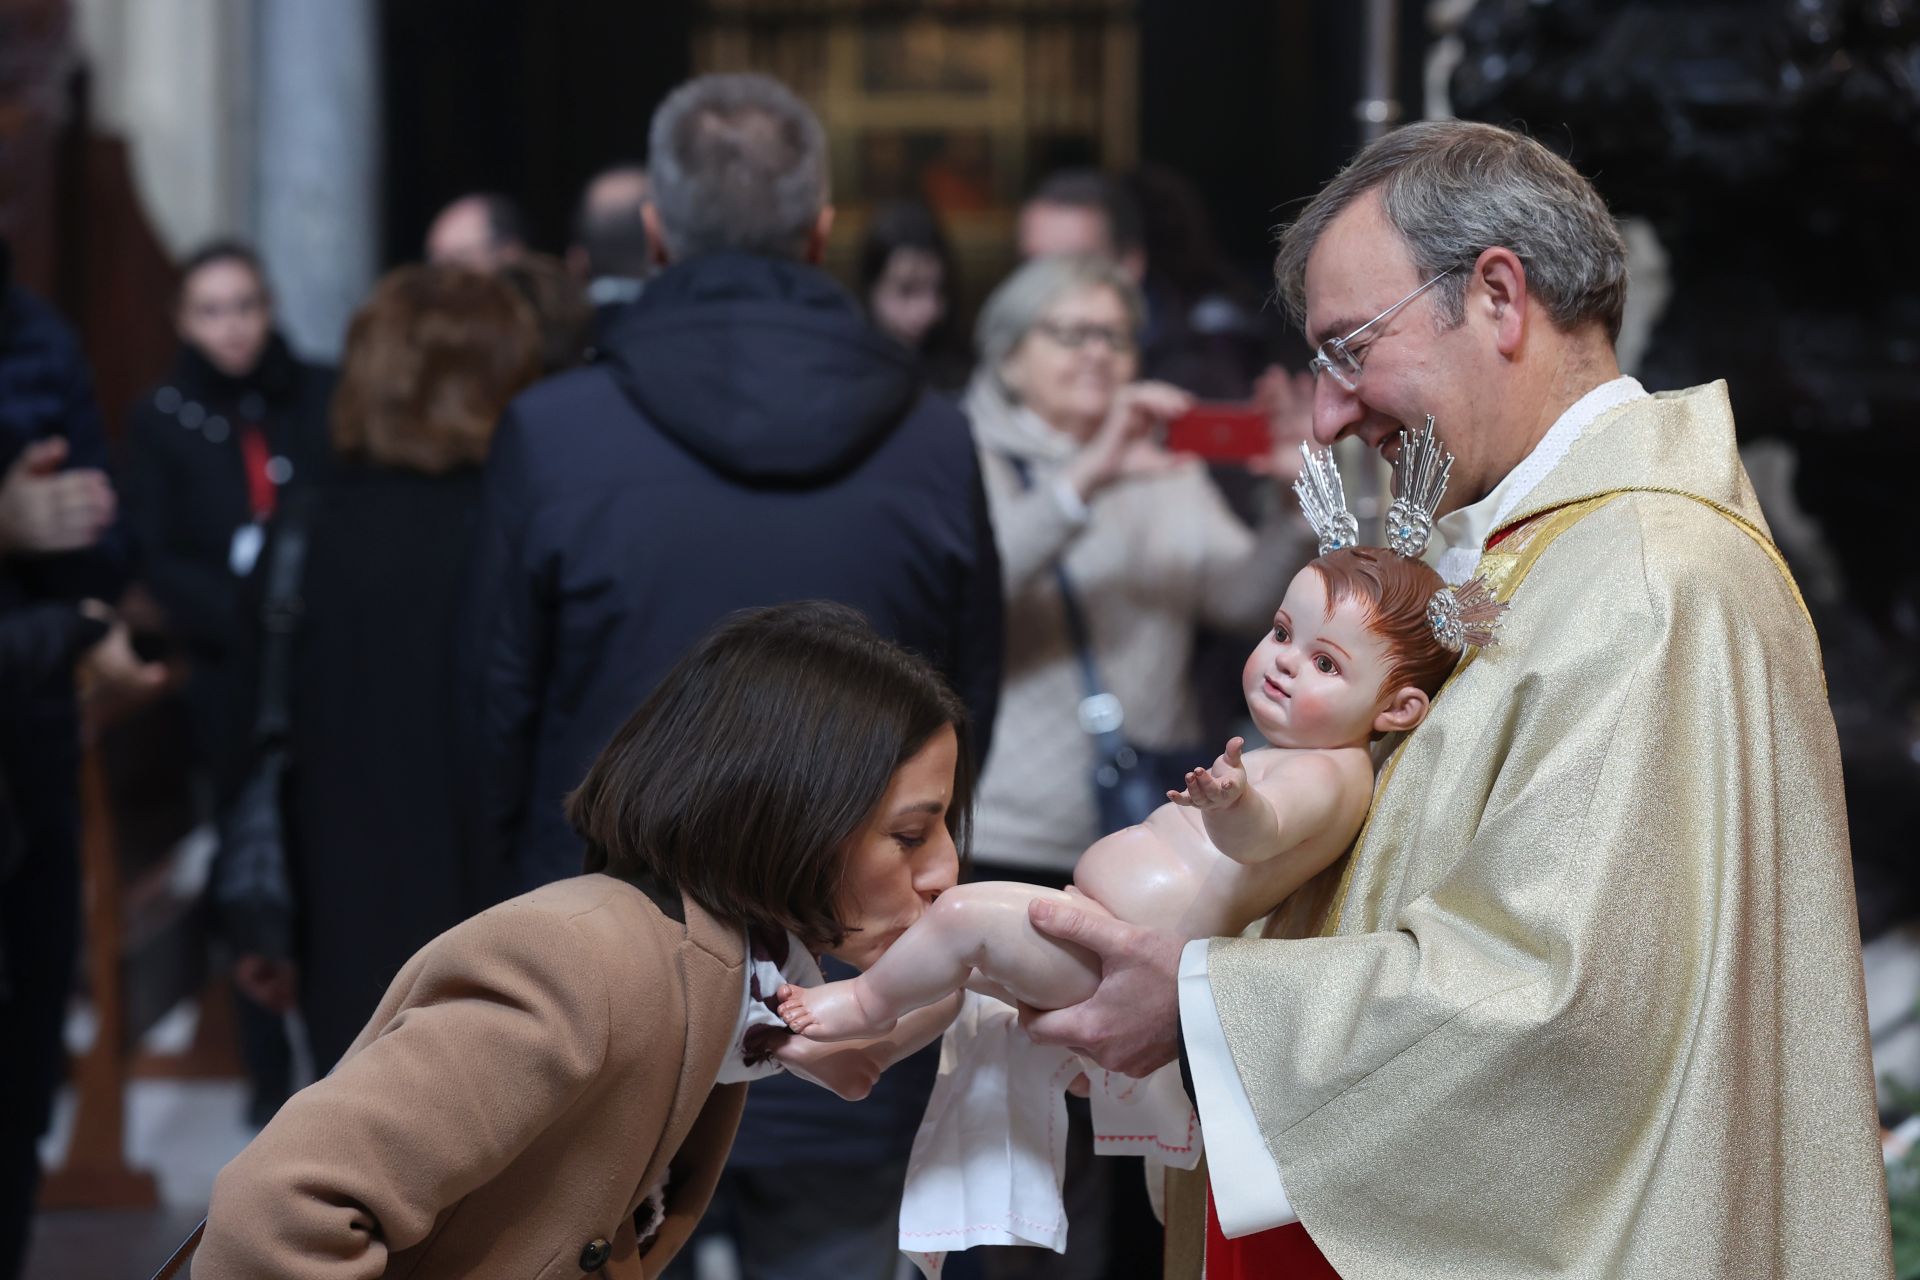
[711, 962]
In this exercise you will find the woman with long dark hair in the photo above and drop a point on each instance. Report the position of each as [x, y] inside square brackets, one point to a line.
[907, 285]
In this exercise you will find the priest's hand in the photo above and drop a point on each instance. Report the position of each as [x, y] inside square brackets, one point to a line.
[1131, 1024]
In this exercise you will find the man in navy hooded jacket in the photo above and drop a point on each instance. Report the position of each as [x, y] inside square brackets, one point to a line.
[744, 438]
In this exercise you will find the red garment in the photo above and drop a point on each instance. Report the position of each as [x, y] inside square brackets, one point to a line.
[1284, 1253]
[262, 493]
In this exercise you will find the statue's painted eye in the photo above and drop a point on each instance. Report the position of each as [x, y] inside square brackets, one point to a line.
[1325, 666]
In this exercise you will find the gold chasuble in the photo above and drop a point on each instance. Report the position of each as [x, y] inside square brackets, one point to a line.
[1590, 1002]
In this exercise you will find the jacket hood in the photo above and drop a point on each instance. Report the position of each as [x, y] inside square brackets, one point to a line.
[764, 369]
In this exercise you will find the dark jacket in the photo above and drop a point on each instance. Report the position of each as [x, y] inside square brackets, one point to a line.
[745, 439]
[40, 640]
[38, 644]
[45, 391]
[185, 488]
[377, 860]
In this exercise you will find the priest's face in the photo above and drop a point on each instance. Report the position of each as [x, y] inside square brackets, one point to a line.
[1314, 681]
[1412, 363]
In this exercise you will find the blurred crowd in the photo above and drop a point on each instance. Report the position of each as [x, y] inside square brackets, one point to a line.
[403, 602]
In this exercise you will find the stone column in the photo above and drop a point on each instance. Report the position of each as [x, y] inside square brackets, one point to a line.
[173, 81]
[317, 172]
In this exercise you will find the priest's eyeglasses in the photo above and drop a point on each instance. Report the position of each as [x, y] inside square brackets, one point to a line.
[1336, 356]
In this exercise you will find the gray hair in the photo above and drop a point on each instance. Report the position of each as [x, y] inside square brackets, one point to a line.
[1455, 188]
[737, 162]
[1012, 310]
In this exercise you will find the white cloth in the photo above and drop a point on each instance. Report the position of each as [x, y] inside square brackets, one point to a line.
[1150, 1117]
[765, 969]
[1248, 1194]
[1460, 536]
[991, 1152]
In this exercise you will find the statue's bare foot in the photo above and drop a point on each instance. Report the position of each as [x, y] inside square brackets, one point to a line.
[829, 1012]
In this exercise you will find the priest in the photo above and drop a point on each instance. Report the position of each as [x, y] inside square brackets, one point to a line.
[1585, 999]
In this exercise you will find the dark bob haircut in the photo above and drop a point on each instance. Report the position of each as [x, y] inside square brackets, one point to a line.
[742, 778]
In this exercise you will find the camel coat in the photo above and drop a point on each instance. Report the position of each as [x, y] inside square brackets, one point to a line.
[530, 1075]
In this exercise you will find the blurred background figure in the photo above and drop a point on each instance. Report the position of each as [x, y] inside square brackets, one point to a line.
[1086, 504]
[211, 453]
[484, 230]
[239, 422]
[379, 866]
[1204, 330]
[561, 312]
[610, 255]
[1084, 212]
[907, 281]
[58, 548]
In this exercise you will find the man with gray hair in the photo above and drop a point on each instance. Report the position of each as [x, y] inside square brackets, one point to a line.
[1585, 997]
[744, 438]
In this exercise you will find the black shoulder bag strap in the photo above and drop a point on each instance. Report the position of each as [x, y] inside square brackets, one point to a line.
[176, 1266]
[280, 617]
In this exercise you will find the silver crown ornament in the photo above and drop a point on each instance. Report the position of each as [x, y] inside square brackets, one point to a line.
[1420, 476]
[1323, 500]
[1465, 615]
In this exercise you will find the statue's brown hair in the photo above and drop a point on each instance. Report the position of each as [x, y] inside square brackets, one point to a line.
[1396, 591]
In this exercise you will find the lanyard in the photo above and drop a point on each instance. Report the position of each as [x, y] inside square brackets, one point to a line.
[262, 493]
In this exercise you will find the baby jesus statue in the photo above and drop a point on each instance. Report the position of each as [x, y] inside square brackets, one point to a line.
[1361, 643]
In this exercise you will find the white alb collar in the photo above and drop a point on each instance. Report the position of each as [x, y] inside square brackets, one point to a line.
[1459, 536]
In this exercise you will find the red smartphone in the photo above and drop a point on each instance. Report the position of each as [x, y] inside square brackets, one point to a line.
[1221, 432]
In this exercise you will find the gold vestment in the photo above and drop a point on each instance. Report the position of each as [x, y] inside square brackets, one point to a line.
[1590, 1003]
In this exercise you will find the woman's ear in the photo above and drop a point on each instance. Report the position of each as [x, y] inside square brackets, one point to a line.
[1405, 708]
